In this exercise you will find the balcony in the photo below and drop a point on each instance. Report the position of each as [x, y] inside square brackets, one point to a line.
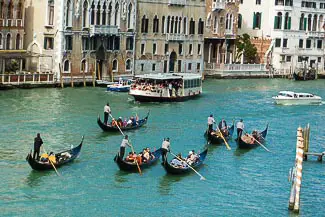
[229, 32]
[316, 34]
[175, 37]
[19, 23]
[177, 2]
[103, 30]
[218, 5]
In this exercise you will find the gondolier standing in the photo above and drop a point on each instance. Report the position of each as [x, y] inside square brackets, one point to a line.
[240, 127]
[125, 142]
[165, 146]
[107, 111]
[37, 145]
[211, 121]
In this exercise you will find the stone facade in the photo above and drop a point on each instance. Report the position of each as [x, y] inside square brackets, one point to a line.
[220, 31]
[169, 36]
[12, 32]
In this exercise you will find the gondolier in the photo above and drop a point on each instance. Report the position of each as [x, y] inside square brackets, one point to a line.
[107, 111]
[124, 143]
[211, 121]
[165, 146]
[37, 145]
[240, 127]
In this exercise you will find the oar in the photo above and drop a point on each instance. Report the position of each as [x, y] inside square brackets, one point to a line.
[51, 162]
[227, 145]
[202, 178]
[136, 160]
[258, 142]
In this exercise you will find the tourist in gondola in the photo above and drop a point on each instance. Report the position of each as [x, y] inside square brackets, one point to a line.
[37, 145]
[125, 142]
[240, 127]
[223, 127]
[107, 111]
[165, 148]
[211, 121]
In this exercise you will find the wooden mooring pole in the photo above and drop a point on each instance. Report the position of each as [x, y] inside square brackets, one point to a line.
[296, 173]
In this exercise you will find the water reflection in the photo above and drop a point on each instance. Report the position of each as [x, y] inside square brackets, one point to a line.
[238, 152]
[166, 181]
[35, 178]
[121, 177]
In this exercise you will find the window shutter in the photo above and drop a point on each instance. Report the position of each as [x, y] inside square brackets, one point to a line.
[260, 21]
[305, 23]
[45, 43]
[275, 22]
[254, 21]
[289, 23]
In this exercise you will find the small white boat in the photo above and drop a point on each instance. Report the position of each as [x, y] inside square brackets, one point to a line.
[292, 98]
[120, 86]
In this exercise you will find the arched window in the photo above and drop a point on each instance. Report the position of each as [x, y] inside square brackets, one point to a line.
[2, 9]
[321, 23]
[98, 14]
[209, 19]
[18, 42]
[68, 21]
[176, 23]
[117, 15]
[172, 25]
[287, 21]
[10, 14]
[130, 17]
[201, 27]
[85, 14]
[84, 66]
[309, 22]
[278, 21]
[66, 66]
[8, 42]
[315, 22]
[167, 26]
[92, 14]
[109, 21]
[184, 26]
[179, 25]
[163, 24]
[240, 20]
[115, 65]
[104, 14]
[155, 24]
[192, 26]
[144, 24]
[19, 10]
[128, 65]
[302, 22]
[50, 12]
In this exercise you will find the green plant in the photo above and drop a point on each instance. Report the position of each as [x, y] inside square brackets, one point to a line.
[246, 48]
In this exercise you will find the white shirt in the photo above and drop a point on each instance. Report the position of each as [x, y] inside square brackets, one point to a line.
[240, 125]
[129, 121]
[107, 109]
[170, 86]
[211, 120]
[124, 143]
[165, 145]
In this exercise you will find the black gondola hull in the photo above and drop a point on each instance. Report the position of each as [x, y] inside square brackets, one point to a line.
[243, 145]
[214, 139]
[132, 167]
[298, 77]
[108, 128]
[37, 165]
[179, 171]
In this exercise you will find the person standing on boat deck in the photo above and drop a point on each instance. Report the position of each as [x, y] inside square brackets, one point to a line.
[165, 146]
[240, 127]
[107, 111]
[125, 142]
[170, 88]
[211, 121]
[37, 145]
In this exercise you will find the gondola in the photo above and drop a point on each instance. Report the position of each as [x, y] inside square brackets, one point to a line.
[132, 166]
[110, 128]
[215, 139]
[38, 165]
[243, 145]
[176, 171]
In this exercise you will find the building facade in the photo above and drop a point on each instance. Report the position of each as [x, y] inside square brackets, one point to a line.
[296, 29]
[221, 31]
[169, 36]
[12, 55]
[84, 37]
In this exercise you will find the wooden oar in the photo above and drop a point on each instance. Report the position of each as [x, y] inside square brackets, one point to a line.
[257, 142]
[202, 178]
[116, 124]
[51, 163]
[136, 161]
[227, 145]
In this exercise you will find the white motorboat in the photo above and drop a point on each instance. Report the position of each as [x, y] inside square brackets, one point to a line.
[292, 98]
[166, 87]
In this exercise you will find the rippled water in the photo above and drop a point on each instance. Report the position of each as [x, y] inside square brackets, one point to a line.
[239, 183]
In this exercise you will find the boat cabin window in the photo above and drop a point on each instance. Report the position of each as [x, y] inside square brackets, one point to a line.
[289, 95]
[192, 83]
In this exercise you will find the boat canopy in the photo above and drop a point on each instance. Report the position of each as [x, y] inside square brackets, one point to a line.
[170, 76]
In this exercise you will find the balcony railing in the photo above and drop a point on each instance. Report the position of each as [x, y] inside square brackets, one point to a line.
[175, 37]
[103, 30]
[229, 32]
[177, 2]
[235, 67]
[218, 5]
[19, 23]
[35, 78]
[10, 22]
[316, 34]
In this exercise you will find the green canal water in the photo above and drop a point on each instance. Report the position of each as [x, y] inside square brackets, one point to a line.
[238, 183]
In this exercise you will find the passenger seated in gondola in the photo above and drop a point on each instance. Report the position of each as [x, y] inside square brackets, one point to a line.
[44, 157]
[192, 158]
[134, 122]
[64, 156]
[131, 157]
[129, 123]
[223, 127]
[177, 161]
[150, 154]
[52, 158]
[120, 122]
[248, 139]
[145, 155]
